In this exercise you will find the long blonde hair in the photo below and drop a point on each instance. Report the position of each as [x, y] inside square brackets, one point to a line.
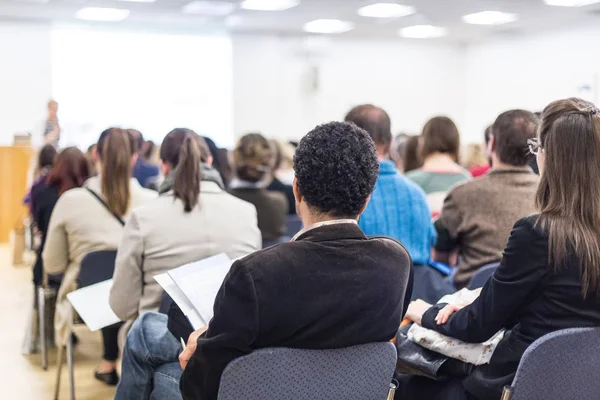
[568, 196]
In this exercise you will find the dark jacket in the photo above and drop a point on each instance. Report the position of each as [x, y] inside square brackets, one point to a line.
[331, 288]
[271, 209]
[526, 297]
[145, 173]
[44, 198]
[277, 186]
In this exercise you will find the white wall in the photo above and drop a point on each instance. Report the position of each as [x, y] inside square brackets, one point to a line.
[529, 72]
[411, 80]
[25, 78]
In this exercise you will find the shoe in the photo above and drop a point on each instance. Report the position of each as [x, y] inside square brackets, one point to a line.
[110, 378]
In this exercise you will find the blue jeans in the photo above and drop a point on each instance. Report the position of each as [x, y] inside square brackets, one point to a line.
[150, 361]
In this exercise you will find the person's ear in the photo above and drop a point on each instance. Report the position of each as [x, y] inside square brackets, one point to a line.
[297, 194]
[166, 168]
[209, 161]
[134, 159]
[95, 154]
[492, 145]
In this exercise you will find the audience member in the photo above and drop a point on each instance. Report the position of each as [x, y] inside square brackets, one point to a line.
[90, 156]
[398, 207]
[146, 173]
[194, 218]
[439, 147]
[476, 159]
[291, 284]
[549, 277]
[70, 171]
[397, 150]
[276, 184]
[44, 166]
[220, 161]
[411, 156]
[91, 219]
[485, 164]
[252, 161]
[477, 216]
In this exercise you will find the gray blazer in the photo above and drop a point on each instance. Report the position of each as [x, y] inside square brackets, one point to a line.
[160, 236]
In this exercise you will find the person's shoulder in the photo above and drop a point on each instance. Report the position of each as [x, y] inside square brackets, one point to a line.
[529, 226]
[390, 247]
[470, 186]
[416, 174]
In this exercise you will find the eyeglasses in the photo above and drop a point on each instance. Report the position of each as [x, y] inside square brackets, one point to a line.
[534, 146]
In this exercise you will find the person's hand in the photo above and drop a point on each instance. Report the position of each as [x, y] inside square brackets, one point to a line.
[190, 348]
[447, 311]
[416, 309]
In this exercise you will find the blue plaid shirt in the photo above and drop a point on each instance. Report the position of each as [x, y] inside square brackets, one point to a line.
[398, 208]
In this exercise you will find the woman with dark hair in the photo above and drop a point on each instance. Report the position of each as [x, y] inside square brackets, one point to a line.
[549, 277]
[44, 165]
[439, 148]
[192, 219]
[252, 161]
[70, 171]
[91, 219]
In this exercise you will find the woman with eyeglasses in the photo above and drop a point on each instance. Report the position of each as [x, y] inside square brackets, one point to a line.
[549, 277]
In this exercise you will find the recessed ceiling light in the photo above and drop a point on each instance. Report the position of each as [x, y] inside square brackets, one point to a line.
[102, 14]
[217, 8]
[328, 26]
[386, 10]
[269, 5]
[571, 3]
[490, 18]
[423, 32]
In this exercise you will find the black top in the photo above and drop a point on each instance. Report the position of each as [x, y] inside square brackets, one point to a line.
[271, 210]
[526, 297]
[45, 200]
[277, 186]
[331, 288]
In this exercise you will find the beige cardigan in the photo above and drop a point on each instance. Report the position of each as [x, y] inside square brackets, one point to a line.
[80, 224]
[160, 236]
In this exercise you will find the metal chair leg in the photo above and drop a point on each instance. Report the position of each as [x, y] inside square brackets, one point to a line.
[59, 364]
[41, 297]
[70, 365]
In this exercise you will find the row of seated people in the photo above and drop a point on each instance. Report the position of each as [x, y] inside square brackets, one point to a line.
[331, 286]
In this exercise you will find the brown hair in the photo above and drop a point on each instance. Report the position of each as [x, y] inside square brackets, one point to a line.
[412, 157]
[568, 196]
[70, 170]
[375, 121]
[252, 157]
[181, 148]
[115, 149]
[511, 130]
[440, 135]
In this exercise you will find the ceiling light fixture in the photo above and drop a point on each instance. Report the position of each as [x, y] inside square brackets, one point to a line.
[423, 32]
[215, 8]
[102, 14]
[386, 10]
[571, 3]
[489, 18]
[328, 26]
[269, 5]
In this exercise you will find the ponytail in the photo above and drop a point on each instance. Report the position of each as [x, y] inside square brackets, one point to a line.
[186, 186]
[115, 148]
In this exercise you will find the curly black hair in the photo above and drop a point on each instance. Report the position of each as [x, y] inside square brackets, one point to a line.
[336, 167]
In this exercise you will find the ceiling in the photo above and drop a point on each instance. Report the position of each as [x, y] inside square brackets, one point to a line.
[534, 16]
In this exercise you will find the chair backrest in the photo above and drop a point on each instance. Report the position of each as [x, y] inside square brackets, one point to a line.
[561, 365]
[482, 275]
[294, 225]
[97, 267]
[359, 372]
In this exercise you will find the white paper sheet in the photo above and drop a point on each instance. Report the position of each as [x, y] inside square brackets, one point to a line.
[165, 281]
[91, 303]
[200, 281]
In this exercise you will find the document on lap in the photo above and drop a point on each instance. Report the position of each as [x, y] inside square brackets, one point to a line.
[193, 287]
[91, 303]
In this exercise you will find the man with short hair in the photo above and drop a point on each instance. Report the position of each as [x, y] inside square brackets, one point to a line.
[330, 287]
[478, 216]
[398, 206]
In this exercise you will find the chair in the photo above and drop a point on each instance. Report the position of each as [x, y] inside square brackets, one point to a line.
[560, 365]
[361, 372]
[96, 267]
[294, 225]
[482, 275]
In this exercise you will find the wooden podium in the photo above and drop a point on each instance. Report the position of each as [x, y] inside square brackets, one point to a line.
[14, 167]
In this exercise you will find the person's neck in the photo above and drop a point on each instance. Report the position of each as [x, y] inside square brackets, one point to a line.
[500, 166]
[437, 161]
[312, 220]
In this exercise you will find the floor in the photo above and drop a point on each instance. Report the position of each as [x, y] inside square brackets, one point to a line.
[22, 376]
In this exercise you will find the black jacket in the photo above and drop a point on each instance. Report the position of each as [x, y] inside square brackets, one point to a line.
[526, 297]
[277, 186]
[45, 200]
[331, 288]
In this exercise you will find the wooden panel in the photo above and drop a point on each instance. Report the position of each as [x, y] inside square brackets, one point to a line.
[14, 166]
